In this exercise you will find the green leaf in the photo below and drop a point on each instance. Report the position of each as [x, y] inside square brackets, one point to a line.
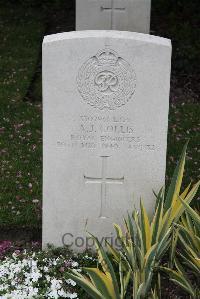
[189, 237]
[179, 279]
[122, 239]
[107, 265]
[130, 228]
[102, 282]
[115, 253]
[159, 197]
[190, 211]
[187, 200]
[173, 247]
[189, 261]
[157, 222]
[175, 185]
[124, 279]
[163, 244]
[145, 228]
[150, 260]
[166, 224]
[85, 284]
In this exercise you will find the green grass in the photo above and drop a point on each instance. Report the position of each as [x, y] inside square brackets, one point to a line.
[184, 125]
[21, 31]
[20, 122]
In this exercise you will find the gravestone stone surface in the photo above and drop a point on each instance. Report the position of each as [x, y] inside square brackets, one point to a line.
[124, 15]
[106, 98]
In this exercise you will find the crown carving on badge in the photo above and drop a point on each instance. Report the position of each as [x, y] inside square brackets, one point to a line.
[107, 56]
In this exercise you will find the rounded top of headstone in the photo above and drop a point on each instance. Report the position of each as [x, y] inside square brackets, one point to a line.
[107, 34]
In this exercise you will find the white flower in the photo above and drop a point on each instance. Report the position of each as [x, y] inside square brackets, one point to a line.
[72, 295]
[46, 269]
[56, 284]
[19, 276]
[55, 263]
[48, 278]
[74, 264]
[62, 293]
[53, 294]
[70, 281]
[35, 276]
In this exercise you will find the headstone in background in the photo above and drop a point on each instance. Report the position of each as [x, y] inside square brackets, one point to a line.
[106, 97]
[124, 15]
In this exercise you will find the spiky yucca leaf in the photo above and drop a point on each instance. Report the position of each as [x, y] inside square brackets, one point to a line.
[191, 212]
[157, 222]
[145, 229]
[175, 186]
[156, 291]
[180, 279]
[173, 247]
[102, 282]
[189, 237]
[85, 283]
[144, 244]
[188, 199]
[107, 266]
[99, 284]
[152, 239]
[124, 279]
[172, 215]
[193, 263]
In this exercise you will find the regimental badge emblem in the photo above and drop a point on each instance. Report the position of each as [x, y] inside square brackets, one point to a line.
[106, 80]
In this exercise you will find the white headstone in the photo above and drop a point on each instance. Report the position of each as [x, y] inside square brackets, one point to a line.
[124, 15]
[106, 97]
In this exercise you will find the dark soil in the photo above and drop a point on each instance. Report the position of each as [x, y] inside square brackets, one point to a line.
[21, 234]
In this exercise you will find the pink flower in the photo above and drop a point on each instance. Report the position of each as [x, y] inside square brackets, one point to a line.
[68, 263]
[17, 252]
[62, 269]
[4, 246]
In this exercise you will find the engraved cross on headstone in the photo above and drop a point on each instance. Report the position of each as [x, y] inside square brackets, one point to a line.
[112, 9]
[103, 180]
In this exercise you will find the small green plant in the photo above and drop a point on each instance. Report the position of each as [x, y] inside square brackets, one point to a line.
[188, 239]
[143, 246]
[103, 284]
[189, 236]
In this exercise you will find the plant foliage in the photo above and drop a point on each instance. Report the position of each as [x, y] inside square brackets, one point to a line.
[143, 245]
